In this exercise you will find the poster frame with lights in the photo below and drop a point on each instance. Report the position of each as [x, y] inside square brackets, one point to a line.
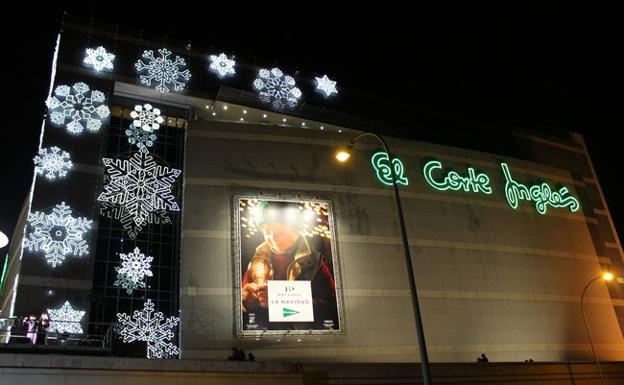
[239, 271]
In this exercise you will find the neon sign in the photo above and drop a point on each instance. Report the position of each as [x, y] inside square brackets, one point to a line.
[541, 194]
[384, 173]
[453, 181]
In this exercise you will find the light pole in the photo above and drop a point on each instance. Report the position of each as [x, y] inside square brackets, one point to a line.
[343, 155]
[606, 276]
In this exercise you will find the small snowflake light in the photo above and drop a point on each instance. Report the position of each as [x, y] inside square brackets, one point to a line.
[65, 319]
[140, 138]
[150, 327]
[276, 88]
[99, 59]
[141, 186]
[52, 162]
[325, 85]
[57, 234]
[221, 65]
[146, 117]
[135, 266]
[79, 106]
[163, 71]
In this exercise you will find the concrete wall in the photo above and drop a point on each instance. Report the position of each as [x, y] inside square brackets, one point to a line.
[21, 369]
[491, 279]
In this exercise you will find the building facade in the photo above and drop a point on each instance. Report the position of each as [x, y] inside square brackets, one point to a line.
[181, 225]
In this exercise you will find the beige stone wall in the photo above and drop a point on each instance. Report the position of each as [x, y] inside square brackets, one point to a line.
[491, 279]
[24, 369]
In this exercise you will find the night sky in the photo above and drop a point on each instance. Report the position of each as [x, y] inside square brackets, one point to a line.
[477, 69]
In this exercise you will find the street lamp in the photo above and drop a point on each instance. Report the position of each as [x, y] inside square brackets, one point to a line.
[342, 155]
[606, 276]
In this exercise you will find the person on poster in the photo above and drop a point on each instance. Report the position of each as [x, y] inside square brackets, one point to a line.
[286, 254]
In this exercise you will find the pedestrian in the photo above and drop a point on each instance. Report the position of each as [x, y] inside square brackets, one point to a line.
[31, 328]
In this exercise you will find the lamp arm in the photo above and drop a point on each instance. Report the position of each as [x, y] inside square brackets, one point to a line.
[377, 137]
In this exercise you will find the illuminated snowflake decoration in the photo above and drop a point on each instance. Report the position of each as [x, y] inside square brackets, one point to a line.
[146, 117]
[150, 327]
[135, 266]
[140, 187]
[221, 65]
[57, 234]
[99, 59]
[140, 138]
[276, 88]
[79, 106]
[52, 162]
[163, 71]
[325, 85]
[66, 319]
[126, 217]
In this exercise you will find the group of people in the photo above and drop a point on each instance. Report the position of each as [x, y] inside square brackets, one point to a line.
[34, 328]
[239, 355]
[484, 358]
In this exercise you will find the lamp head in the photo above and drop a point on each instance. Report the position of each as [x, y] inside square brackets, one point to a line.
[343, 154]
[607, 276]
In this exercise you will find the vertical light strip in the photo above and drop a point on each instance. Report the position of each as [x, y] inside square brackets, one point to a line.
[34, 180]
[4, 271]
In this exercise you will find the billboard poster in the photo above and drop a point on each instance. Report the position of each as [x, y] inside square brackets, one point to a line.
[286, 267]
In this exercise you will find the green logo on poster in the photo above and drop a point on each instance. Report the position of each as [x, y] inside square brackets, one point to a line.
[288, 312]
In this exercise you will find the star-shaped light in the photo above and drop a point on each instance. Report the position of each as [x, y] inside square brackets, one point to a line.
[66, 319]
[326, 85]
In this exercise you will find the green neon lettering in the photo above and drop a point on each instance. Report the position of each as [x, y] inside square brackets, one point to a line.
[383, 171]
[540, 194]
[478, 183]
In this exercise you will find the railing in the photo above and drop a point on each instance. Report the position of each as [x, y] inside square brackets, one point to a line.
[55, 341]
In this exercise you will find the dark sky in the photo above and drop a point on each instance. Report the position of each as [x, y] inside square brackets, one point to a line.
[541, 67]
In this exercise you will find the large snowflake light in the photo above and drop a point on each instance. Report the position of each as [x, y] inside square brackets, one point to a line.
[163, 71]
[126, 217]
[135, 266]
[139, 137]
[326, 85]
[276, 88]
[65, 319]
[57, 234]
[52, 162]
[150, 327]
[146, 117]
[221, 65]
[78, 105]
[99, 59]
[140, 187]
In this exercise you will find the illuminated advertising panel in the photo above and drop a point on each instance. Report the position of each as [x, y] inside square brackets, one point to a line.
[287, 277]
